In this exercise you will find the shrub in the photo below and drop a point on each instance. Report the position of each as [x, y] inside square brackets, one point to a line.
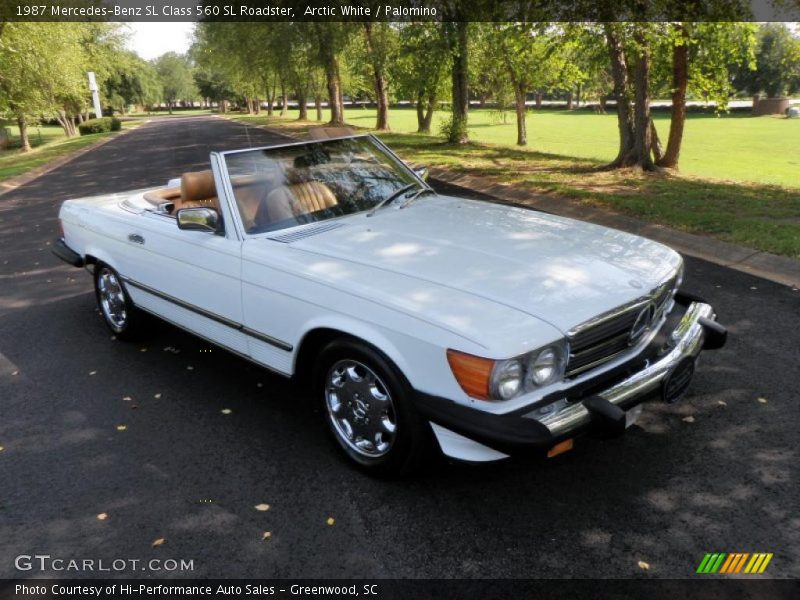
[100, 125]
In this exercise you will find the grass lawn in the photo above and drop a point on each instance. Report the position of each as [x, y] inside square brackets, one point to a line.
[49, 143]
[739, 179]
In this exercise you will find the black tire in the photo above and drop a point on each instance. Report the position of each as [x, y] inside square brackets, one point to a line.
[119, 314]
[412, 440]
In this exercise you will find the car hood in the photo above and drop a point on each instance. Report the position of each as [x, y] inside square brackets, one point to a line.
[558, 270]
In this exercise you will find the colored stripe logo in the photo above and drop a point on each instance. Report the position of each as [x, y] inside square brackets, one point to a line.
[736, 562]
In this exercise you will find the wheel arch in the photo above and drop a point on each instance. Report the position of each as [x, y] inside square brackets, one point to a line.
[317, 337]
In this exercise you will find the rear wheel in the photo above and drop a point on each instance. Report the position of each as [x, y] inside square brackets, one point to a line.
[368, 411]
[119, 313]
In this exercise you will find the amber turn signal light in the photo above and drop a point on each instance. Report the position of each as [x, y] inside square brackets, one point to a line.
[560, 448]
[473, 373]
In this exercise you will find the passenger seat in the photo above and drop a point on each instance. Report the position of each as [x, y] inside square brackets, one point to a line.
[197, 189]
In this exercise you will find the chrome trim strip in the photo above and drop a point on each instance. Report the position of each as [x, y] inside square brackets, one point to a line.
[688, 341]
[620, 310]
[213, 316]
[226, 348]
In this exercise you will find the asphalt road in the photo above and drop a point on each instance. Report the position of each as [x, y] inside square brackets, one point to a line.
[665, 493]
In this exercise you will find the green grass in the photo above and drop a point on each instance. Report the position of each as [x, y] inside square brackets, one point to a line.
[734, 147]
[737, 193]
[52, 144]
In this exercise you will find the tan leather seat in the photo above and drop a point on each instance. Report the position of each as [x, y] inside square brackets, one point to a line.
[294, 200]
[197, 189]
[326, 133]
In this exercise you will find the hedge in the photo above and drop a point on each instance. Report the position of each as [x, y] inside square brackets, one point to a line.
[100, 125]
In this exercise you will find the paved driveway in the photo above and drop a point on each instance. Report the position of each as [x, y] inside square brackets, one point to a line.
[666, 493]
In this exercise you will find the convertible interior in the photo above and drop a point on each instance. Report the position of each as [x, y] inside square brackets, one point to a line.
[262, 199]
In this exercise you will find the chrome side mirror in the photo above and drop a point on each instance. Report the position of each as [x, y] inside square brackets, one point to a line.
[199, 218]
[422, 173]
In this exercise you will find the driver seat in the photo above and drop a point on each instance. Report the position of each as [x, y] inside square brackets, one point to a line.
[290, 201]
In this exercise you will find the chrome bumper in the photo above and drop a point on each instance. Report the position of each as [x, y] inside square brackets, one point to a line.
[687, 338]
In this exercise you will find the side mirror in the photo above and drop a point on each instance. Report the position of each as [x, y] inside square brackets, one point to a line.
[199, 218]
[422, 173]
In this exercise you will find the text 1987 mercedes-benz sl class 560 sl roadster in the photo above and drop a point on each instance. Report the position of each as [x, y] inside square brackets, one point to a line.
[421, 320]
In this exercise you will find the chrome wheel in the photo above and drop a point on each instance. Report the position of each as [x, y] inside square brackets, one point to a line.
[360, 408]
[112, 299]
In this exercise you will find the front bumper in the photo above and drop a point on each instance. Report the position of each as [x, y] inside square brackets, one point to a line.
[67, 254]
[597, 405]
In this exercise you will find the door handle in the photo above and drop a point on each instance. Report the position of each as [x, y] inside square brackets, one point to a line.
[135, 238]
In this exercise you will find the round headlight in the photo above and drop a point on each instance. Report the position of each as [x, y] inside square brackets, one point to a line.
[545, 367]
[507, 379]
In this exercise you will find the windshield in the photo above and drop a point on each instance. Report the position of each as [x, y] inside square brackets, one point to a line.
[277, 188]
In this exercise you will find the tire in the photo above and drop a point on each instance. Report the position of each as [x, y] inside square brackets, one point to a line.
[366, 404]
[119, 314]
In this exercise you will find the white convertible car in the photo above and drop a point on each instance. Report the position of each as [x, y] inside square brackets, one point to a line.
[421, 320]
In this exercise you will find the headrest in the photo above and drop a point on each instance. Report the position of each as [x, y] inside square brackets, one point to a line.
[198, 186]
[325, 133]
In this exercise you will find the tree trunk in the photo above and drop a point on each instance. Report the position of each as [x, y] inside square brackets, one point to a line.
[429, 112]
[379, 77]
[569, 100]
[658, 152]
[680, 81]
[301, 103]
[619, 72]
[459, 47]
[284, 102]
[333, 81]
[318, 106]
[522, 132]
[169, 107]
[643, 140]
[538, 100]
[420, 111]
[24, 142]
[382, 95]
[602, 101]
[578, 91]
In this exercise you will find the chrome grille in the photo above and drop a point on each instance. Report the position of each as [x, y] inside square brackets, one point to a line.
[608, 336]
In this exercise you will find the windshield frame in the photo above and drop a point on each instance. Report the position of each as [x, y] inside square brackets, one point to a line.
[227, 186]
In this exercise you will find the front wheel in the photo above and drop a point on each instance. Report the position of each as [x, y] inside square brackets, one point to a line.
[368, 411]
[119, 313]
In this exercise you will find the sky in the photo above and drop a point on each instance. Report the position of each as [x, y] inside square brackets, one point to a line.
[150, 40]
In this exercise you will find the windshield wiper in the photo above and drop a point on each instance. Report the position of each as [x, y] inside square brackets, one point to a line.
[392, 198]
[417, 194]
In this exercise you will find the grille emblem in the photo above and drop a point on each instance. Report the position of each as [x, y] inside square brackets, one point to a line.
[643, 322]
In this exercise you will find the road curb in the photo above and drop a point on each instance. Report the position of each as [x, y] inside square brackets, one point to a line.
[11, 184]
[773, 267]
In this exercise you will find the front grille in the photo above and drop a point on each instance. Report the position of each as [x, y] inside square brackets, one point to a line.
[606, 337]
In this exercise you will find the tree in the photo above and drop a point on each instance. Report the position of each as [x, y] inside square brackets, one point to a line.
[703, 56]
[42, 72]
[331, 38]
[777, 60]
[175, 74]
[133, 82]
[381, 45]
[457, 35]
[420, 68]
[533, 56]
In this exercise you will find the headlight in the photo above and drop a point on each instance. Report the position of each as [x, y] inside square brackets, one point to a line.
[488, 379]
[506, 379]
[545, 367]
